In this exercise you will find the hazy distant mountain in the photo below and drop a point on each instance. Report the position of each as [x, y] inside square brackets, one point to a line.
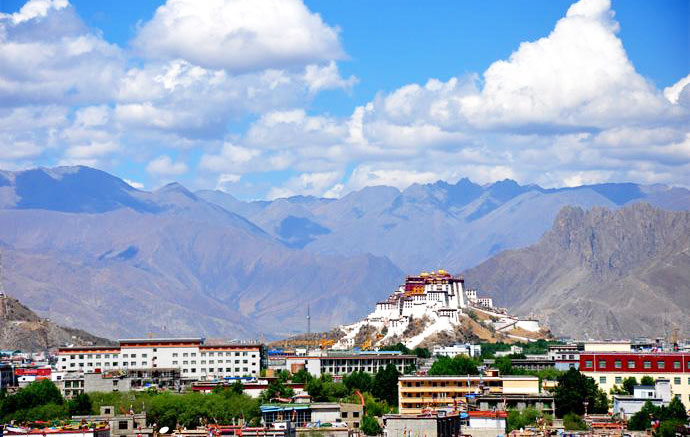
[125, 262]
[435, 225]
[87, 250]
[21, 328]
[600, 273]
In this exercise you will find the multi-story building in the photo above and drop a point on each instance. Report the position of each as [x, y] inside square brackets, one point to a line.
[471, 350]
[195, 359]
[339, 363]
[611, 368]
[419, 393]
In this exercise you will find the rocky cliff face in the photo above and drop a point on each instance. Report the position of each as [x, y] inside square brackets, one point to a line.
[21, 328]
[600, 273]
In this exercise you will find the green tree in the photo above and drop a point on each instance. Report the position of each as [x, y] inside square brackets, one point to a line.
[370, 426]
[385, 385]
[458, 365]
[647, 380]
[676, 410]
[302, 376]
[521, 419]
[80, 405]
[642, 420]
[629, 384]
[361, 381]
[35, 395]
[574, 388]
[276, 389]
[573, 422]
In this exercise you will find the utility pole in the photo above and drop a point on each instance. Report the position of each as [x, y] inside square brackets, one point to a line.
[308, 320]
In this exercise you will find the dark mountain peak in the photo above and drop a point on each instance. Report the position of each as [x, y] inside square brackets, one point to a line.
[76, 189]
[506, 189]
[175, 188]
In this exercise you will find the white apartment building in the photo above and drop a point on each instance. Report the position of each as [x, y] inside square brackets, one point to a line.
[195, 359]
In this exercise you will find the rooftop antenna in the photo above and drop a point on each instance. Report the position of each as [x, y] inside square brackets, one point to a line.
[308, 320]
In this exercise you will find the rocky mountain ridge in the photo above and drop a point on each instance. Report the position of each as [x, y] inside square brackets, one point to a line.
[600, 273]
[21, 328]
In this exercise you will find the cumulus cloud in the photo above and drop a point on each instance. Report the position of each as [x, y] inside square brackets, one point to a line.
[49, 56]
[165, 166]
[239, 35]
[315, 184]
[231, 81]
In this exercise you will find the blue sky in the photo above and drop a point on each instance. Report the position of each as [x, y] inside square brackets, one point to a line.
[599, 98]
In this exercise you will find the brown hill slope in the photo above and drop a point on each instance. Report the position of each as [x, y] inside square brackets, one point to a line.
[21, 328]
[600, 273]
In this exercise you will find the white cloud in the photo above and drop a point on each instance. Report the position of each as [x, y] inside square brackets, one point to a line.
[229, 158]
[164, 166]
[35, 9]
[134, 184]
[314, 184]
[49, 56]
[239, 35]
[674, 92]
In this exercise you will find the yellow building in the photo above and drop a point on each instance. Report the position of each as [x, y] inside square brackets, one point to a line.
[418, 393]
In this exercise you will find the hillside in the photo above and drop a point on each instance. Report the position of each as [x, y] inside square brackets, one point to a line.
[21, 328]
[601, 273]
[123, 262]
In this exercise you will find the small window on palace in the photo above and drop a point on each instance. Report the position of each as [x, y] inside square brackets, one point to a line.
[618, 364]
[676, 380]
[631, 364]
[660, 364]
[602, 364]
[619, 379]
[588, 363]
[676, 364]
[122, 424]
[602, 380]
[647, 364]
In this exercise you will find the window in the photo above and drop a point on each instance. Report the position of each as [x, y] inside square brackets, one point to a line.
[174, 354]
[588, 363]
[114, 363]
[106, 356]
[619, 380]
[134, 355]
[98, 356]
[631, 364]
[193, 370]
[143, 356]
[115, 381]
[602, 364]
[355, 424]
[122, 424]
[647, 364]
[676, 364]
[203, 361]
[676, 380]
[81, 357]
[133, 363]
[193, 354]
[185, 362]
[343, 414]
[618, 364]
[193, 362]
[106, 364]
[185, 354]
[602, 380]
[355, 414]
[124, 356]
[203, 354]
[660, 364]
[174, 363]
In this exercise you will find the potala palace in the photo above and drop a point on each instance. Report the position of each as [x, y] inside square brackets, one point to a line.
[429, 304]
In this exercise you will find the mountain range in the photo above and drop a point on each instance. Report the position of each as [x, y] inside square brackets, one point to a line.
[600, 273]
[87, 250]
